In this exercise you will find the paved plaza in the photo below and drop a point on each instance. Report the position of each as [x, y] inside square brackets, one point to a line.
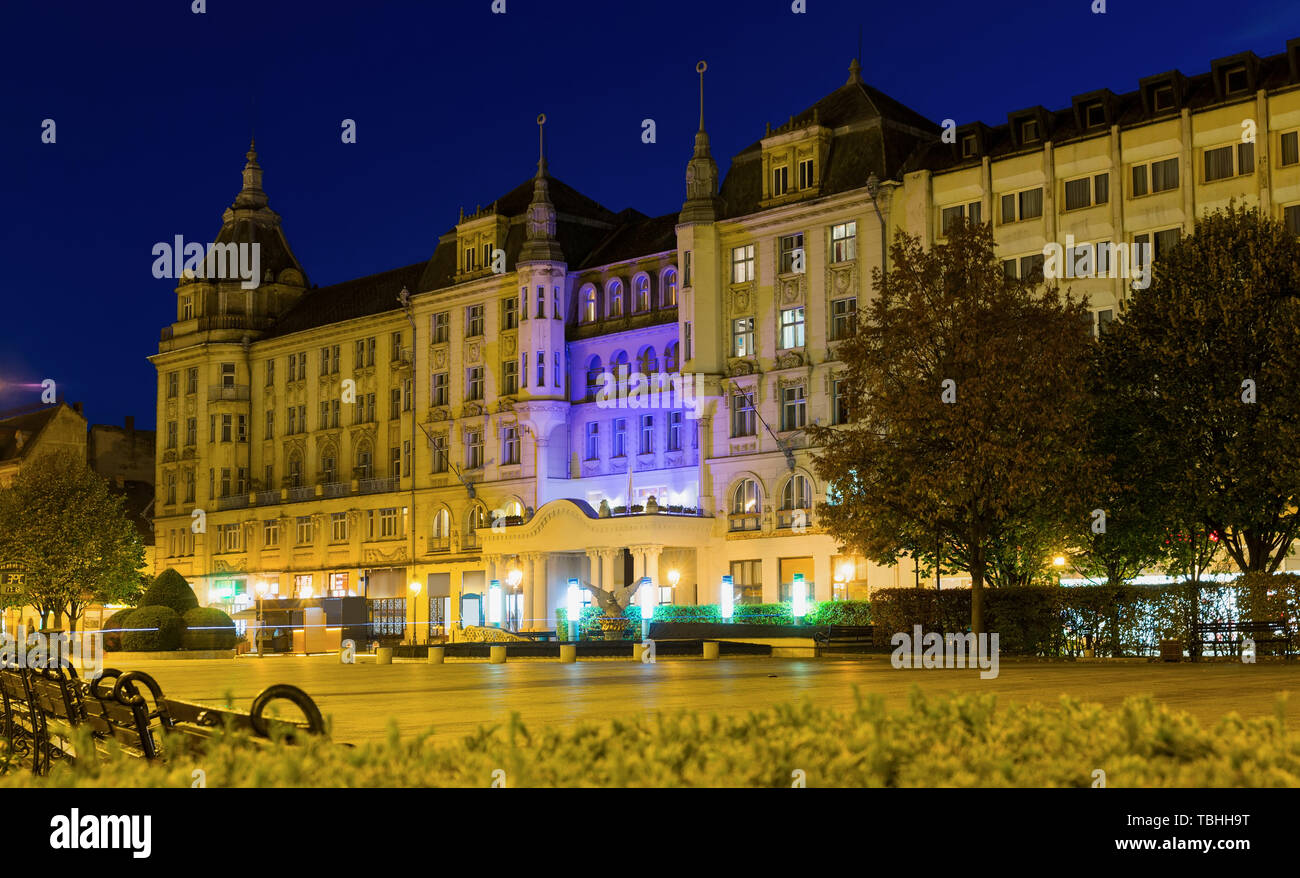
[456, 698]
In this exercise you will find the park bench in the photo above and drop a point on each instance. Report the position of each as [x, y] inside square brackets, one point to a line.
[43, 706]
[847, 638]
[1231, 635]
[537, 635]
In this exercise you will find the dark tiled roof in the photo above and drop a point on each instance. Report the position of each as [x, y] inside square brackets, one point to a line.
[373, 294]
[874, 134]
[637, 235]
[274, 256]
[29, 423]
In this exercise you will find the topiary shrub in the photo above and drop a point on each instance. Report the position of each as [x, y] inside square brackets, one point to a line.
[208, 628]
[111, 629]
[153, 629]
[170, 590]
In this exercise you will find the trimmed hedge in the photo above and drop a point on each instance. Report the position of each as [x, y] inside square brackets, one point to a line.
[934, 741]
[1112, 620]
[820, 613]
[170, 590]
[112, 635]
[153, 629]
[208, 628]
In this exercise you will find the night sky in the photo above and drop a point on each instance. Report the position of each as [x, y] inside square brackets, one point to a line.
[154, 106]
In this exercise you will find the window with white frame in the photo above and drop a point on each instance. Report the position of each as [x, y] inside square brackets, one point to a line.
[641, 293]
[614, 294]
[473, 449]
[742, 264]
[593, 440]
[844, 317]
[793, 407]
[668, 285]
[844, 242]
[742, 337]
[509, 445]
[743, 421]
[440, 331]
[620, 437]
[647, 434]
[338, 527]
[792, 328]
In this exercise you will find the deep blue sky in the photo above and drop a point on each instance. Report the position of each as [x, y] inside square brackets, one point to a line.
[154, 107]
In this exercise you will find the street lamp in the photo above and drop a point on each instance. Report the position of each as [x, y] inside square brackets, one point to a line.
[574, 609]
[494, 603]
[261, 588]
[674, 576]
[646, 599]
[727, 600]
[515, 576]
[415, 614]
[799, 604]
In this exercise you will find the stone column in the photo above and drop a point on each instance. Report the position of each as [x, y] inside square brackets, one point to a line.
[593, 567]
[638, 562]
[652, 567]
[607, 557]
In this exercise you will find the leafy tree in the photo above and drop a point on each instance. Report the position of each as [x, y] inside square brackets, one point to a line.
[1203, 373]
[990, 470]
[62, 527]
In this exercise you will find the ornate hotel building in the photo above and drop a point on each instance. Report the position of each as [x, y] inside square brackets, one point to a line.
[445, 423]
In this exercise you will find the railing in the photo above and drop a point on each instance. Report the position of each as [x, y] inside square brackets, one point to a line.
[440, 544]
[792, 517]
[237, 392]
[268, 498]
[303, 492]
[334, 489]
[238, 501]
[378, 486]
[745, 521]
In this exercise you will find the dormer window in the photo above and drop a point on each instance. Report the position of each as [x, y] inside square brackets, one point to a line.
[969, 146]
[469, 258]
[1162, 97]
[1094, 115]
[806, 174]
[780, 181]
[1029, 131]
[1234, 80]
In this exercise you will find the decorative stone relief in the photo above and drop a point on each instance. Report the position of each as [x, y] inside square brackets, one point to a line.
[789, 360]
[471, 410]
[438, 414]
[472, 351]
[439, 357]
[792, 290]
[740, 367]
[508, 343]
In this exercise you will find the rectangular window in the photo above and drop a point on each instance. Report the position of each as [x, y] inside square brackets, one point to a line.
[440, 329]
[338, 527]
[1291, 216]
[172, 433]
[647, 434]
[844, 242]
[686, 341]
[395, 353]
[1101, 188]
[620, 437]
[1165, 241]
[394, 404]
[1078, 193]
[780, 181]
[593, 441]
[510, 377]
[394, 463]
[270, 533]
[192, 381]
[806, 174]
[509, 445]
[949, 217]
[438, 389]
[241, 428]
[325, 360]
[1031, 268]
[792, 328]
[792, 259]
[844, 318]
[1139, 180]
[227, 425]
[171, 488]
[674, 431]
[541, 369]
[1291, 148]
[839, 402]
[541, 302]
[686, 268]
[228, 374]
[439, 444]
[742, 415]
[1218, 163]
[747, 582]
[474, 449]
[473, 321]
[474, 383]
[742, 337]
[191, 431]
[793, 408]
[742, 264]
[1031, 203]
[173, 384]
[523, 368]
[555, 369]
[1164, 175]
[1245, 159]
[509, 313]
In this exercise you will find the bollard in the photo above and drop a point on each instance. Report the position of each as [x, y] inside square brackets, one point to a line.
[568, 652]
[638, 652]
[710, 649]
[497, 655]
[437, 655]
[384, 655]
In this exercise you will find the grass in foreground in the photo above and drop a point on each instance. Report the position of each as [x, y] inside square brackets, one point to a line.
[954, 741]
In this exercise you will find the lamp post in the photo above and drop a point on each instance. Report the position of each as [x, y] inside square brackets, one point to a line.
[727, 599]
[261, 588]
[515, 576]
[674, 577]
[647, 600]
[799, 598]
[494, 603]
[415, 613]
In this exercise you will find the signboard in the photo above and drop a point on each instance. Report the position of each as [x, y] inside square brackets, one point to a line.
[11, 583]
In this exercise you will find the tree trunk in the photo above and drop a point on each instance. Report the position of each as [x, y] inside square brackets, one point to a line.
[977, 589]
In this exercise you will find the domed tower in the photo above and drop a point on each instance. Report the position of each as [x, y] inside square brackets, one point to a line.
[543, 294]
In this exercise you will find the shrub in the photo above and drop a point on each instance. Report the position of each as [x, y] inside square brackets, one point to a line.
[170, 590]
[208, 628]
[931, 741]
[153, 629]
[762, 614]
[112, 635]
[687, 613]
[840, 613]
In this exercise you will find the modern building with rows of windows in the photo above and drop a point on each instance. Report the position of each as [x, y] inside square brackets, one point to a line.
[563, 392]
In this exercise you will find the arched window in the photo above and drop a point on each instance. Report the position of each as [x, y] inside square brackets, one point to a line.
[615, 290]
[641, 293]
[477, 518]
[328, 465]
[365, 461]
[618, 360]
[797, 493]
[441, 534]
[671, 363]
[746, 506]
[588, 304]
[668, 286]
[646, 362]
[595, 377]
[513, 509]
[295, 469]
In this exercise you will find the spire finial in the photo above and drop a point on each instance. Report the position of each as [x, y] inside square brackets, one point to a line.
[855, 72]
[700, 68]
[541, 144]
